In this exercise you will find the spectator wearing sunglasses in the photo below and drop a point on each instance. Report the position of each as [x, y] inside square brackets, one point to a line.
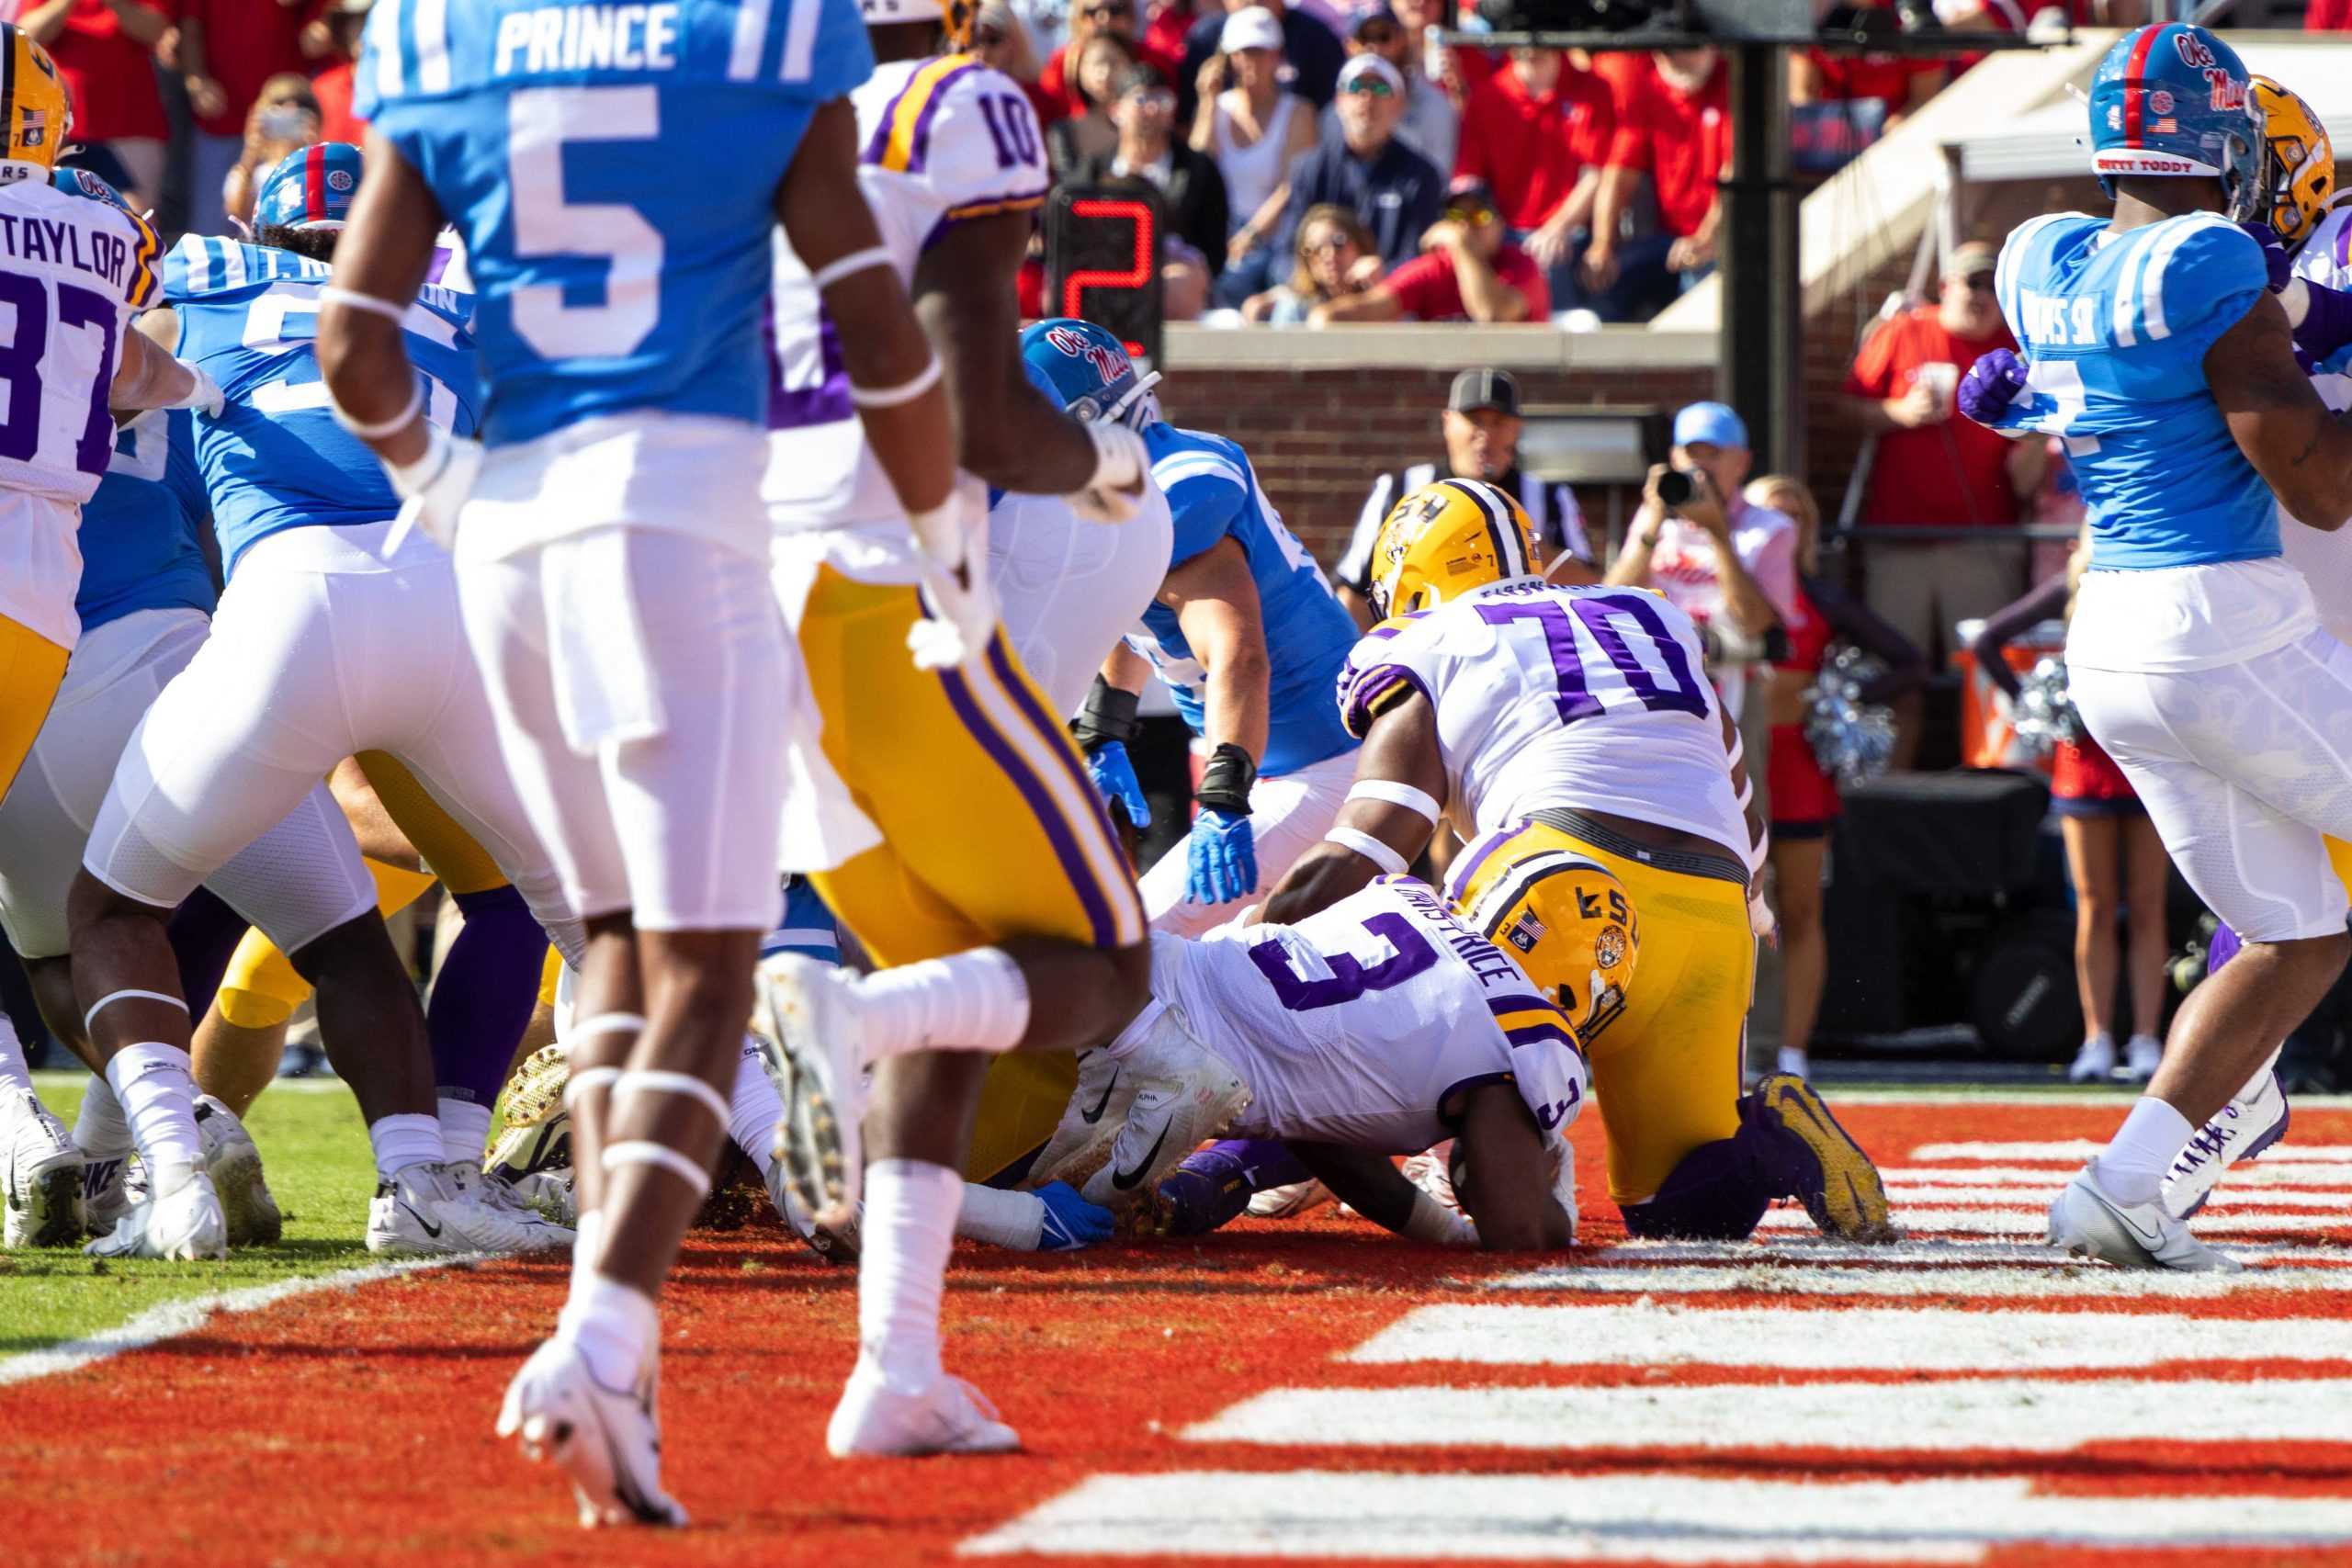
[1088, 17]
[1432, 126]
[1467, 271]
[1335, 260]
[1537, 132]
[1934, 468]
[1191, 192]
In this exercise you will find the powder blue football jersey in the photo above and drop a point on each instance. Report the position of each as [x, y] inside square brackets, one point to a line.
[612, 169]
[1213, 492]
[276, 458]
[2116, 327]
[140, 546]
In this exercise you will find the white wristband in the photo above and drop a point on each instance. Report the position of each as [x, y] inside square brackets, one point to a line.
[1372, 849]
[904, 392]
[411, 478]
[1396, 794]
[330, 295]
[833, 272]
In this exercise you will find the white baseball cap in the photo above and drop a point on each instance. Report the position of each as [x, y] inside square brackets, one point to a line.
[1250, 27]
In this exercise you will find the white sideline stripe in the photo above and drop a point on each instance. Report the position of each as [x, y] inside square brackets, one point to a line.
[1928, 1340]
[2071, 1278]
[1806, 1249]
[1648, 1518]
[2055, 1100]
[2022, 1221]
[2008, 1415]
[169, 1320]
[2038, 1197]
[2045, 1179]
[2076, 1150]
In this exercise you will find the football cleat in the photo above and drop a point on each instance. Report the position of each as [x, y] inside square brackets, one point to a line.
[2254, 1119]
[810, 1011]
[1290, 1199]
[1815, 1160]
[43, 1174]
[435, 1208]
[185, 1223]
[534, 1091]
[1071, 1222]
[2088, 1224]
[1090, 1122]
[1185, 1095]
[1210, 1188]
[547, 1193]
[608, 1440]
[948, 1416]
[234, 1165]
[110, 1184]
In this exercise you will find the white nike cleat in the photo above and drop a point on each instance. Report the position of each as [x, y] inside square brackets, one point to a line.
[947, 1416]
[607, 1440]
[547, 1193]
[2095, 1063]
[1090, 1122]
[110, 1184]
[2088, 1224]
[435, 1208]
[234, 1165]
[2254, 1119]
[186, 1222]
[1290, 1199]
[41, 1173]
[1185, 1094]
[810, 1011]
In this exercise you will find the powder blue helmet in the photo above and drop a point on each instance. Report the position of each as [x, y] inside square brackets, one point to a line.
[1086, 369]
[2172, 99]
[310, 187]
[82, 182]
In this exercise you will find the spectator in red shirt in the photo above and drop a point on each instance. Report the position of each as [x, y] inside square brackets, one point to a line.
[1467, 271]
[104, 50]
[1933, 468]
[1537, 134]
[1900, 82]
[2329, 17]
[1088, 17]
[1673, 126]
[229, 49]
[334, 37]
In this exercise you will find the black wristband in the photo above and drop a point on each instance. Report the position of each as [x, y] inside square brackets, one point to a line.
[1225, 783]
[1107, 714]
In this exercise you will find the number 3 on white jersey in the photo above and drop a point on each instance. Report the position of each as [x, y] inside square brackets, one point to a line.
[540, 121]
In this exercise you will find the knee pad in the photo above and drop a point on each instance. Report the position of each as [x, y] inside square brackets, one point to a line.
[1713, 1194]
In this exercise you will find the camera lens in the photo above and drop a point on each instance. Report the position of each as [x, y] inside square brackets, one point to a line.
[1676, 488]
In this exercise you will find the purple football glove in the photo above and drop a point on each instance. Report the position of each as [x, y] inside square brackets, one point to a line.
[1991, 385]
[2274, 255]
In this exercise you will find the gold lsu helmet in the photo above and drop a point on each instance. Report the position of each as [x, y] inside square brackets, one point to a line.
[34, 108]
[2298, 162]
[955, 17]
[1571, 926]
[1445, 540]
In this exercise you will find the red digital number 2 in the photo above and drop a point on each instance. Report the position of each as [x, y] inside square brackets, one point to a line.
[1138, 272]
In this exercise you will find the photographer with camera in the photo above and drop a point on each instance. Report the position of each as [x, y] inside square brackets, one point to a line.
[1727, 563]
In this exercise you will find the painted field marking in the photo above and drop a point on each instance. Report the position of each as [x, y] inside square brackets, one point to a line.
[1650, 1518]
[2038, 1198]
[2073, 1151]
[169, 1320]
[1808, 1247]
[1999, 1281]
[1928, 1340]
[2259, 1173]
[2022, 1221]
[2004, 1414]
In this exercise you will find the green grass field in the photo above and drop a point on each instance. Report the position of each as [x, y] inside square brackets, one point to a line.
[314, 1149]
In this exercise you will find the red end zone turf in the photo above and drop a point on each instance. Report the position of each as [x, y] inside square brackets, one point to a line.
[1601, 1417]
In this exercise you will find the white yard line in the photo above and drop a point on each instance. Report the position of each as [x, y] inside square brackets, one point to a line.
[2008, 1415]
[1648, 1518]
[2229, 1197]
[1919, 1338]
[2020, 1220]
[2073, 1152]
[2069, 1279]
[2265, 1172]
[169, 1320]
[1808, 1249]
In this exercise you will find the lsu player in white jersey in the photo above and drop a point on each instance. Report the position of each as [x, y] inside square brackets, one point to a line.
[948, 823]
[2151, 343]
[72, 274]
[1572, 737]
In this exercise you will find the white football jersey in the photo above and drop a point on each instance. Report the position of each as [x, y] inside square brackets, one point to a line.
[77, 270]
[1564, 698]
[942, 140]
[1357, 1024]
[2325, 559]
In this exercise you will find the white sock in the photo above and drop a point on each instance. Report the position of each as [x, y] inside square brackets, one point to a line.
[2132, 1167]
[908, 1230]
[1001, 1218]
[753, 1110]
[156, 1085]
[465, 1130]
[99, 1130]
[976, 1000]
[587, 1232]
[615, 1324]
[14, 1071]
[402, 1141]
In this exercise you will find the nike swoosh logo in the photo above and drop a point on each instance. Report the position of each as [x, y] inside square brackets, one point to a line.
[2150, 1239]
[430, 1228]
[1091, 1117]
[1126, 1180]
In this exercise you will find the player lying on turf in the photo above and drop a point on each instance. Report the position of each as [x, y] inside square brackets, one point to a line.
[1566, 727]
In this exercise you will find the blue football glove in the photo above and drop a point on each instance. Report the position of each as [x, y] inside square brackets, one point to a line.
[2274, 255]
[1115, 779]
[1991, 385]
[1070, 1221]
[1222, 857]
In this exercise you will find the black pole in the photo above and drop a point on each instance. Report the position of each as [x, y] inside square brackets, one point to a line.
[1763, 326]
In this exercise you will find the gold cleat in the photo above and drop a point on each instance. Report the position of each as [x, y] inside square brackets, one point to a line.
[1825, 1169]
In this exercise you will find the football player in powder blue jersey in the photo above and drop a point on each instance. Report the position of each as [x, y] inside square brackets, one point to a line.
[616, 173]
[1247, 635]
[2153, 345]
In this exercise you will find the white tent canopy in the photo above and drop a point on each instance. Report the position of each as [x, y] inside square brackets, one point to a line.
[2052, 142]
